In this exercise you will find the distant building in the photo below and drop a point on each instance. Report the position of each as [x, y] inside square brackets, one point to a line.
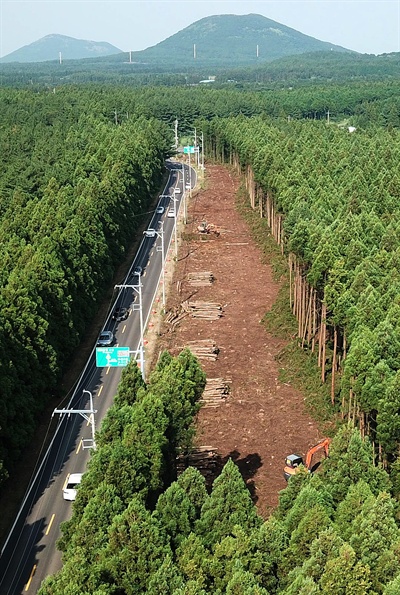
[211, 79]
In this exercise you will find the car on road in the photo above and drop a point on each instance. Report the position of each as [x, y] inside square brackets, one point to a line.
[171, 213]
[177, 190]
[188, 186]
[150, 233]
[71, 485]
[138, 270]
[106, 338]
[120, 314]
[160, 210]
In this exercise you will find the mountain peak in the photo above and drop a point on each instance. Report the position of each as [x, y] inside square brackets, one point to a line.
[50, 46]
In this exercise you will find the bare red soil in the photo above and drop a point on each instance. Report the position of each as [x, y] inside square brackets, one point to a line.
[263, 419]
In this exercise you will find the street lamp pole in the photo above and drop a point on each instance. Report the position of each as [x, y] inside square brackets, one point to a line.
[138, 289]
[163, 262]
[88, 415]
[160, 234]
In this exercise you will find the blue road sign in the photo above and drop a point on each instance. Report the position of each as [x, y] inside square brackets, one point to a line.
[113, 357]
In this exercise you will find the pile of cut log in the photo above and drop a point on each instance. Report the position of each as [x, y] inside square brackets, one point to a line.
[200, 309]
[216, 392]
[204, 458]
[174, 316]
[200, 279]
[203, 348]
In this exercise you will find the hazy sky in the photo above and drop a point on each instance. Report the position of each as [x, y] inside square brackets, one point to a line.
[371, 27]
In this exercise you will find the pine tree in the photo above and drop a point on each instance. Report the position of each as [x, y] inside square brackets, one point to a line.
[229, 504]
[344, 575]
[376, 539]
[129, 385]
[136, 550]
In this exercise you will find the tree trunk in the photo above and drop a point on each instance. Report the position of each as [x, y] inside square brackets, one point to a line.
[334, 366]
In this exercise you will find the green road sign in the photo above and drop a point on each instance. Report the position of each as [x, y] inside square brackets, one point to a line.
[189, 149]
[113, 357]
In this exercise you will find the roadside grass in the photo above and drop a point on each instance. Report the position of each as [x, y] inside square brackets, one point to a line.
[298, 366]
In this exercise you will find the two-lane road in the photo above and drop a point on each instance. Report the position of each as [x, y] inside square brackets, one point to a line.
[29, 553]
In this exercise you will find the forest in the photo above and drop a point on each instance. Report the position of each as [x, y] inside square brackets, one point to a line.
[74, 189]
[137, 527]
[332, 201]
[306, 69]
[80, 168]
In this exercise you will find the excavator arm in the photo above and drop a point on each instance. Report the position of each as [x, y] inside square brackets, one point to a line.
[324, 445]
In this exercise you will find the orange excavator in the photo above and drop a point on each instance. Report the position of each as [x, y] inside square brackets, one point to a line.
[292, 462]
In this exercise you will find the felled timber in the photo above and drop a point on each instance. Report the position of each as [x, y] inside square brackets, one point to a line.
[203, 348]
[216, 392]
[200, 309]
[200, 279]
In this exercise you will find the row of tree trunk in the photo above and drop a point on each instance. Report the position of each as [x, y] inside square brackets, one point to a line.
[306, 302]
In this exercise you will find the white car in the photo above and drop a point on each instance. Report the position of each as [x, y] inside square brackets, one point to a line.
[150, 233]
[72, 483]
[160, 210]
[177, 190]
[171, 213]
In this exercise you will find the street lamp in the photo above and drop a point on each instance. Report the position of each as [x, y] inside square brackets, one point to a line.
[159, 234]
[138, 289]
[175, 226]
[175, 230]
[88, 415]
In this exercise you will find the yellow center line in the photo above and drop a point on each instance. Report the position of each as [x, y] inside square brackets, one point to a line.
[100, 389]
[123, 330]
[79, 446]
[50, 524]
[28, 584]
[66, 481]
[108, 369]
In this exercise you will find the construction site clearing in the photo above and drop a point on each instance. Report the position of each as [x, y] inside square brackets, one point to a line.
[219, 292]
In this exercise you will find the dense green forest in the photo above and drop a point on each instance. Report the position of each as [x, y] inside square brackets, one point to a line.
[137, 528]
[306, 69]
[332, 198]
[80, 166]
[74, 188]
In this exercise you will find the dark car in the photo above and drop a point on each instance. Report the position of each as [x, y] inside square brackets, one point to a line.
[138, 270]
[120, 314]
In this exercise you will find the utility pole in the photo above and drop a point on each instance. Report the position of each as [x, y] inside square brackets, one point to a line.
[184, 195]
[176, 134]
[202, 150]
[88, 415]
[175, 227]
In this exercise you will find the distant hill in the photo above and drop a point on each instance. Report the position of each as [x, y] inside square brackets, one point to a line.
[49, 48]
[232, 40]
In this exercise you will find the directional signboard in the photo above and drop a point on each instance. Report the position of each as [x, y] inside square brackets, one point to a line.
[112, 357]
[189, 149]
